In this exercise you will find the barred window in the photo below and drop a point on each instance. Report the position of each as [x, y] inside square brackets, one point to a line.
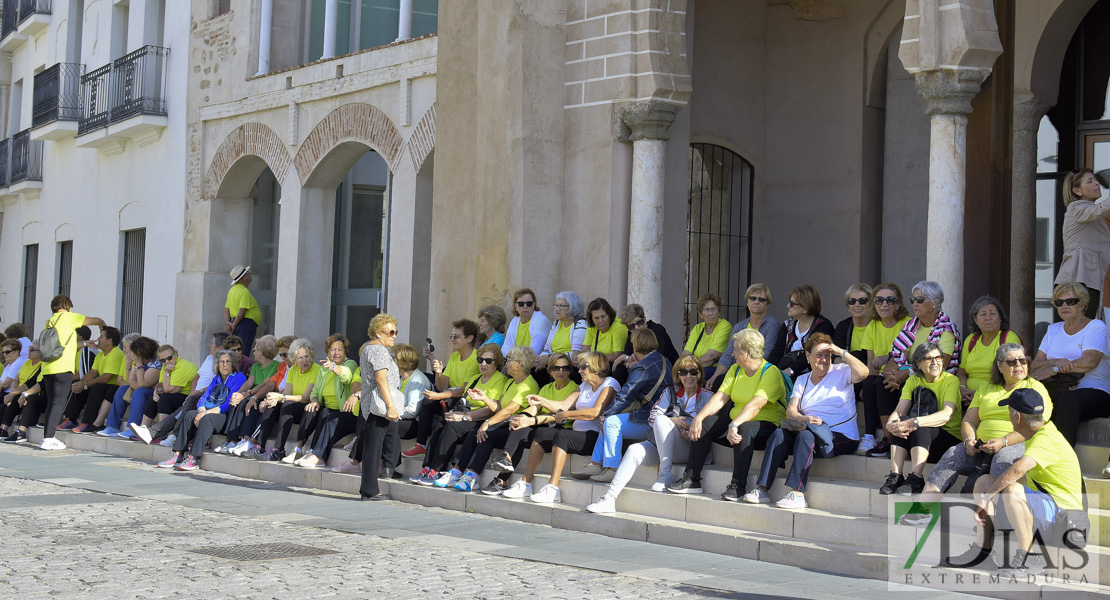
[134, 257]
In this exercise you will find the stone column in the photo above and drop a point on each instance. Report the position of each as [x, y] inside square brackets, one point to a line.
[648, 123]
[1023, 214]
[331, 18]
[265, 30]
[404, 21]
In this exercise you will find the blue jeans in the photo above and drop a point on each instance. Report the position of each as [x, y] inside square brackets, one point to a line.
[119, 407]
[139, 399]
[607, 450]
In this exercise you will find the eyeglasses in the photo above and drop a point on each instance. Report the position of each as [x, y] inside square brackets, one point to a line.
[561, 306]
[525, 303]
[239, 349]
[932, 359]
[711, 309]
[638, 323]
[283, 354]
[687, 372]
[485, 361]
[854, 301]
[1062, 301]
[6, 352]
[886, 299]
[454, 336]
[792, 303]
[33, 349]
[1014, 362]
[757, 299]
[391, 333]
[918, 299]
[560, 368]
[165, 358]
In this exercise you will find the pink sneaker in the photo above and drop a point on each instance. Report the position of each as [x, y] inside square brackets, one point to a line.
[348, 467]
[350, 446]
[168, 463]
[416, 450]
[189, 464]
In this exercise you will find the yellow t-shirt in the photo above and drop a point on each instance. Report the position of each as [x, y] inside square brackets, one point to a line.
[994, 420]
[296, 382]
[609, 342]
[182, 375]
[461, 372]
[66, 323]
[494, 388]
[240, 297]
[1057, 471]
[977, 361]
[523, 335]
[879, 339]
[561, 341]
[27, 371]
[518, 393]
[109, 363]
[858, 337]
[767, 383]
[718, 340]
[553, 394]
[947, 389]
[947, 343]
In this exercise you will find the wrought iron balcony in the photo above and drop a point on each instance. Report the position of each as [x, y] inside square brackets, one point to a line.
[11, 17]
[57, 95]
[139, 83]
[5, 161]
[31, 7]
[96, 99]
[26, 164]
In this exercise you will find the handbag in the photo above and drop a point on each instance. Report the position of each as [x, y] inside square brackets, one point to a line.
[1060, 383]
[924, 402]
[638, 403]
[378, 407]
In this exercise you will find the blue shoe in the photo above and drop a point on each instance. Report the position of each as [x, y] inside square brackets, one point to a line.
[108, 432]
[125, 432]
[467, 483]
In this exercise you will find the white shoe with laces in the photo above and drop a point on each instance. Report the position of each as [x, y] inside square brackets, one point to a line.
[547, 495]
[518, 490]
[757, 496]
[52, 444]
[793, 501]
[606, 504]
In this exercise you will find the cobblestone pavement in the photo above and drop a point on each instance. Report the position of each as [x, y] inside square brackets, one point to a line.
[82, 525]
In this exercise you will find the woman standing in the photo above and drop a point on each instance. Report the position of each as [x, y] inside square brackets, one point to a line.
[708, 339]
[381, 399]
[57, 375]
[1086, 235]
[989, 328]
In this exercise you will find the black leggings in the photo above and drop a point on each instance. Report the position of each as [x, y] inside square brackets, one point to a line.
[335, 424]
[29, 416]
[98, 393]
[56, 389]
[877, 401]
[1075, 406]
[11, 411]
[754, 435]
[936, 439]
[570, 441]
[169, 403]
[442, 446]
[429, 418]
[497, 436]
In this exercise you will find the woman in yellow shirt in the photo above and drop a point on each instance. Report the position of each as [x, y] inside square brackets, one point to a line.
[606, 333]
[989, 327]
[57, 376]
[709, 338]
[451, 381]
[891, 315]
[300, 379]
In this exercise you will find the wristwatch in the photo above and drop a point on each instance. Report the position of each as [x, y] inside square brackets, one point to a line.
[466, 417]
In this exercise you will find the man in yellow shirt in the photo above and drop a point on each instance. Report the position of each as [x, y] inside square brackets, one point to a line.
[241, 312]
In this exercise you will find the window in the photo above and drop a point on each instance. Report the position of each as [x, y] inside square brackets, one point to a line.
[362, 24]
[30, 287]
[134, 254]
[65, 267]
[222, 7]
[719, 230]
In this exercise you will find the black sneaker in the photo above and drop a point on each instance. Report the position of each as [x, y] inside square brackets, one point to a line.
[1023, 564]
[686, 485]
[16, 436]
[732, 492]
[503, 464]
[277, 454]
[912, 485]
[892, 483]
[881, 449]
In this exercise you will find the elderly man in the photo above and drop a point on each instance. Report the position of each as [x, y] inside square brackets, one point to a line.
[241, 311]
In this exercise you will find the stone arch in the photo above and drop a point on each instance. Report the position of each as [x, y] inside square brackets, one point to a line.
[877, 39]
[423, 138]
[254, 141]
[344, 131]
[1041, 73]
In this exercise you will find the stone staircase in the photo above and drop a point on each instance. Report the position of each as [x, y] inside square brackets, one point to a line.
[845, 530]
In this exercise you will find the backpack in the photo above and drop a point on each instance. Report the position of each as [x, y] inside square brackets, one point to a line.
[50, 348]
[787, 383]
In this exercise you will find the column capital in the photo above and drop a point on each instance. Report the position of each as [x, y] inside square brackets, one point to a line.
[1029, 111]
[646, 120]
[949, 91]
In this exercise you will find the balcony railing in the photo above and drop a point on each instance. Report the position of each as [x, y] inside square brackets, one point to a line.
[11, 17]
[132, 85]
[57, 95]
[26, 164]
[5, 161]
[30, 7]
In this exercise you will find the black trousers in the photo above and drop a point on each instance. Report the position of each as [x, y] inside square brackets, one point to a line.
[11, 411]
[445, 441]
[287, 413]
[56, 387]
[1078, 405]
[937, 440]
[335, 424]
[406, 430]
[429, 418]
[374, 433]
[29, 416]
[76, 405]
[497, 436]
[754, 436]
[169, 403]
[201, 433]
[99, 393]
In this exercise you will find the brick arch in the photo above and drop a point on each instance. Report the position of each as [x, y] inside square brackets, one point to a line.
[250, 139]
[356, 122]
[423, 138]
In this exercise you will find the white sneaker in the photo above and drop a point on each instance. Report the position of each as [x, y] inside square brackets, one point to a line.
[547, 495]
[143, 432]
[1106, 472]
[604, 505]
[52, 444]
[222, 448]
[661, 484]
[240, 448]
[865, 444]
[168, 442]
[518, 490]
[792, 501]
[757, 496]
[448, 479]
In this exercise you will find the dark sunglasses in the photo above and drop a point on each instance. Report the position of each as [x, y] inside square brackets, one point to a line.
[166, 359]
[639, 323]
[525, 303]
[686, 372]
[1013, 362]
[886, 299]
[757, 299]
[792, 303]
[1063, 301]
[854, 301]
[560, 368]
[918, 299]
[391, 333]
[239, 349]
[485, 361]
[283, 354]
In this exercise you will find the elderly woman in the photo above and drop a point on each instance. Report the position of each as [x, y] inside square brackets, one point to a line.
[293, 398]
[582, 410]
[457, 423]
[244, 402]
[988, 440]
[803, 320]
[632, 315]
[851, 333]
[920, 432]
[198, 425]
[670, 422]
[9, 380]
[475, 452]
[413, 386]
[25, 399]
[709, 338]
[174, 382]
[529, 327]
[989, 328]
[758, 298]
[257, 424]
[824, 402]
[461, 369]
[568, 331]
[606, 333]
[1086, 235]
[743, 414]
[336, 418]
[1072, 362]
[381, 400]
[890, 315]
[491, 325]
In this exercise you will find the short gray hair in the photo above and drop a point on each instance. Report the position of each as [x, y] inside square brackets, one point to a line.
[216, 361]
[1034, 421]
[131, 337]
[577, 310]
[931, 290]
[302, 343]
[525, 354]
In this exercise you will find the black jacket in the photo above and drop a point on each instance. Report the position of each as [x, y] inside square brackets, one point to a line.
[782, 358]
[842, 337]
